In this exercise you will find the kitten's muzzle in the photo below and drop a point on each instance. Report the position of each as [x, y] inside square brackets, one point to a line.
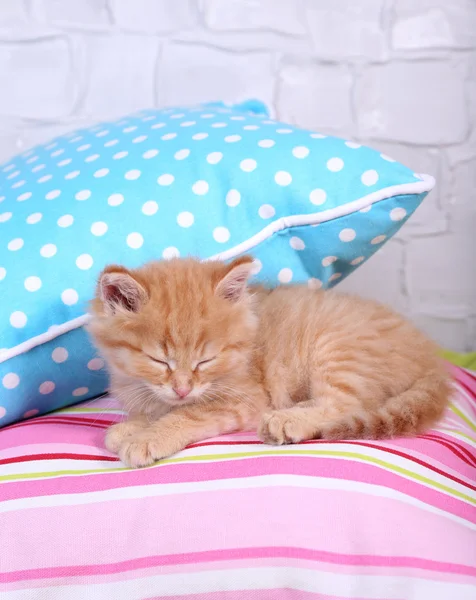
[182, 391]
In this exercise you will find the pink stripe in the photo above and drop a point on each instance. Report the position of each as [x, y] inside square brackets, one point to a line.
[325, 513]
[386, 562]
[323, 467]
[276, 594]
[467, 378]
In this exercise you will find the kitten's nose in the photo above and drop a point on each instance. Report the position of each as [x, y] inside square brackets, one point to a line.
[182, 390]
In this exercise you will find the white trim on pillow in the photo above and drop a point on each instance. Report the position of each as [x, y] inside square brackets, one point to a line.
[419, 187]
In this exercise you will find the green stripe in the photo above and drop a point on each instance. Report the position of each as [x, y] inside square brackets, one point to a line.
[87, 410]
[461, 415]
[214, 457]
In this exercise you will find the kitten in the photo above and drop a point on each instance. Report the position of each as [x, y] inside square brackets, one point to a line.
[194, 352]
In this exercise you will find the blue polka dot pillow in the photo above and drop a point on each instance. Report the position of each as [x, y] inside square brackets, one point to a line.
[210, 181]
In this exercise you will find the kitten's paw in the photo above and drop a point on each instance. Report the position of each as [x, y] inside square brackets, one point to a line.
[117, 434]
[281, 427]
[143, 449]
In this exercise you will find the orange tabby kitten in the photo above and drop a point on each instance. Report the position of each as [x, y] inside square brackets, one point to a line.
[194, 352]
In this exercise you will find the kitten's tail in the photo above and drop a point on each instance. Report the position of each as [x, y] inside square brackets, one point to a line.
[410, 413]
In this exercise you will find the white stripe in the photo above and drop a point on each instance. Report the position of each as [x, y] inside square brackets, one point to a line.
[58, 464]
[158, 490]
[419, 187]
[265, 578]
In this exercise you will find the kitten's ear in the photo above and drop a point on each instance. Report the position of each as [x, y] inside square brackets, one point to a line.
[232, 285]
[119, 290]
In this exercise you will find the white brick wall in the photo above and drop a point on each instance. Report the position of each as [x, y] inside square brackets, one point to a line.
[397, 74]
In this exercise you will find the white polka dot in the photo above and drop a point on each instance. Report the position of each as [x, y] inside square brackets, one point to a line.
[22, 182]
[353, 145]
[3, 273]
[185, 219]
[177, 116]
[168, 136]
[251, 127]
[110, 143]
[99, 228]
[53, 194]
[158, 125]
[284, 130]
[13, 175]
[150, 207]
[378, 239]
[248, 165]
[35, 158]
[347, 235]
[170, 252]
[200, 187]
[76, 139]
[134, 240]
[285, 275]
[120, 155]
[300, 152]
[233, 198]
[32, 283]
[24, 196]
[266, 211]
[365, 209]
[328, 260]
[318, 136]
[398, 213]
[18, 319]
[101, 173]
[314, 284]
[38, 168]
[266, 143]
[91, 158]
[187, 123]
[387, 158]
[335, 164]
[6, 216]
[46, 387]
[96, 364]
[230, 139]
[15, 244]
[214, 157]
[357, 260]
[296, 243]
[82, 148]
[335, 276]
[3, 412]
[221, 235]
[83, 195]
[139, 139]
[149, 118]
[59, 354]
[256, 266]
[10, 381]
[369, 177]
[65, 221]
[132, 175]
[283, 178]
[69, 297]
[199, 136]
[181, 154]
[66, 161]
[31, 413]
[81, 391]
[218, 125]
[49, 250]
[84, 262]
[34, 218]
[72, 175]
[44, 179]
[166, 179]
[129, 129]
[115, 199]
[237, 118]
[207, 115]
[150, 153]
[9, 168]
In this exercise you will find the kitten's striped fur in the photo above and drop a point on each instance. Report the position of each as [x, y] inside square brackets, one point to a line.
[193, 352]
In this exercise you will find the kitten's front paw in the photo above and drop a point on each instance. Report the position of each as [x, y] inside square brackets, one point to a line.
[117, 434]
[143, 449]
[281, 427]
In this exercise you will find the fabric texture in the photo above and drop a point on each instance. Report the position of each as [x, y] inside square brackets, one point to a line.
[209, 181]
[230, 518]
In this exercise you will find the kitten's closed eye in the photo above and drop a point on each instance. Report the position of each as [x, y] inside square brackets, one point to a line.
[202, 363]
[168, 364]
